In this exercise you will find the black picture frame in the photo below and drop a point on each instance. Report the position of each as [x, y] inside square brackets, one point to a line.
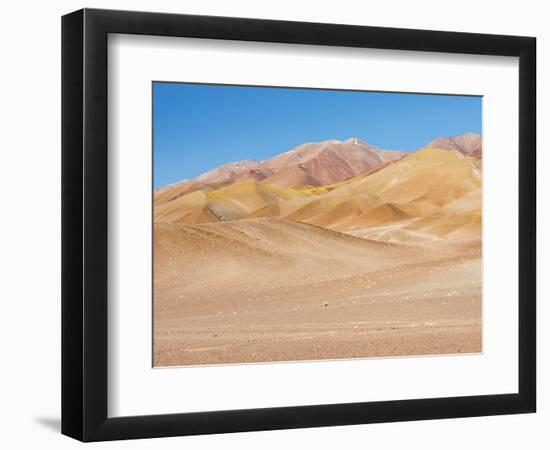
[84, 224]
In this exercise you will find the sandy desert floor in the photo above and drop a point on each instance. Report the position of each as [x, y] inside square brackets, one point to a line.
[258, 290]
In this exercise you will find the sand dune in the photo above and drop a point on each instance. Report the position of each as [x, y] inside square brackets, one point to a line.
[272, 289]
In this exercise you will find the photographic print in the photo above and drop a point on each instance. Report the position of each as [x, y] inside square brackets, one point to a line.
[295, 224]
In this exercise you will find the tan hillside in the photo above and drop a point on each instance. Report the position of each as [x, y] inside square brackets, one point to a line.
[331, 250]
[175, 191]
[236, 201]
[430, 193]
[271, 290]
[311, 164]
[327, 163]
[420, 185]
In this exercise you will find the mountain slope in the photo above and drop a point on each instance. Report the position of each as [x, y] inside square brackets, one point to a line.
[418, 186]
[325, 162]
[226, 172]
[469, 144]
[235, 201]
[271, 289]
[311, 164]
[383, 195]
[328, 163]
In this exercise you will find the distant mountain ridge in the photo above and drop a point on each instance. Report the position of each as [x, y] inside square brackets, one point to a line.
[320, 163]
[348, 186]
[468, 144]
[311, 164]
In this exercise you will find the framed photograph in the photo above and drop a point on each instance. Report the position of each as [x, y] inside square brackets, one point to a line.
[273, 224]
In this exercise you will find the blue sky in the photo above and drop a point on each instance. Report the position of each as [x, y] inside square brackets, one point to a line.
[198, 127]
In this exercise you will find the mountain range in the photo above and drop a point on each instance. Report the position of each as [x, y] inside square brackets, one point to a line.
[331, 250]
[348, 186]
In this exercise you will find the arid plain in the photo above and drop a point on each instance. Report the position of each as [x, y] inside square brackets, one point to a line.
[331, 250]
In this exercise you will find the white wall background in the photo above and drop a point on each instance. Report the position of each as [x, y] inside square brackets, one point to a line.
[30, 225]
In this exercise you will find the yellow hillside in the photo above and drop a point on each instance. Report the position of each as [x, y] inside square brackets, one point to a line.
[419, 186]
[236, 201]
[429, 192]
